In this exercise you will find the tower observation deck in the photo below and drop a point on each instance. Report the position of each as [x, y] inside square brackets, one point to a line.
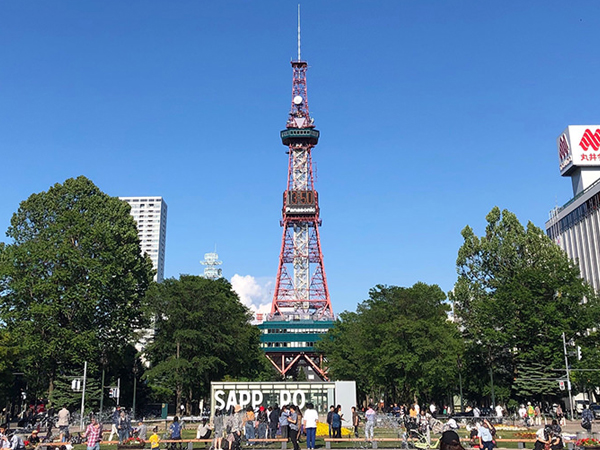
[301, 310]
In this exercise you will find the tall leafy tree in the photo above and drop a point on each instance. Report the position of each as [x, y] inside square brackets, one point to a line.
[516, 293]
[71, 279]
[202, 334]
[399, 344]
[64, 395]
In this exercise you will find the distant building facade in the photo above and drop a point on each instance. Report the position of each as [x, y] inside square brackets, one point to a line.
[150, 214]
[575, 226]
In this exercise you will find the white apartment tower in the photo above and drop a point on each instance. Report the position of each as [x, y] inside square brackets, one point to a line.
[150, 214]
[575, 227]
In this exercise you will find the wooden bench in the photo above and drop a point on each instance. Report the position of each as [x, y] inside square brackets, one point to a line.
[268, 441]
[434, 440]
[189, 442]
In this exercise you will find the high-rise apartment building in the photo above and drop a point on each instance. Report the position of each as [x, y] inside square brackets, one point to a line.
[150, 214]
[575, 227]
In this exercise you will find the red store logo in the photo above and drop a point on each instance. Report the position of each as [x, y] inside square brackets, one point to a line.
[590, 140]
[563, 148]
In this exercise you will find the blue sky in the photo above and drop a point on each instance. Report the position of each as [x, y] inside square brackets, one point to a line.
[430, 112]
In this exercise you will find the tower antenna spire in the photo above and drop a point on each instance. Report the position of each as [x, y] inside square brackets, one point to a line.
[299, 32]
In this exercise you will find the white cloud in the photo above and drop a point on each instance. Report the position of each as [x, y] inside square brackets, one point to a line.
[255, 293]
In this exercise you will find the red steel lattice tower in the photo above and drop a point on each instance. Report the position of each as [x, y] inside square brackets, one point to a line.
[301, 298]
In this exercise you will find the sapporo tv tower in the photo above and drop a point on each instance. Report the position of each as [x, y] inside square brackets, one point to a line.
[301, 311]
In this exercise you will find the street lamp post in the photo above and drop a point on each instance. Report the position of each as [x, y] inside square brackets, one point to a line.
[103, 361]
[135, 373]
[492, 381]
[459, 364]
[568, 375]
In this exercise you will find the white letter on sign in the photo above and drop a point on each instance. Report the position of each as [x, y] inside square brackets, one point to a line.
[285, 398]
[299, 398]
[244, 398]
[257, 398]
[219, 402]
[231, 400]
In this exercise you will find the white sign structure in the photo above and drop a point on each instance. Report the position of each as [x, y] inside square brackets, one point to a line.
[578, 145]
[255, 398]
[225, 395]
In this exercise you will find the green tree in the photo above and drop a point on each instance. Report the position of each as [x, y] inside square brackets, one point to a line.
[64, 395]
[516, 293]
[71, 280]
[398, 344]
[202, 334]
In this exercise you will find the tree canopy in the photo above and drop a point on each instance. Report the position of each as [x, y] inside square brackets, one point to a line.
[516, 293]
[202, 334]
[397, 345]
[71, 279]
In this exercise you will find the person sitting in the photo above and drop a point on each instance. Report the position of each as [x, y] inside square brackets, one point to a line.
[203, 431]
[34, 438]
[451, 424]
[542, 438]
[556, 442]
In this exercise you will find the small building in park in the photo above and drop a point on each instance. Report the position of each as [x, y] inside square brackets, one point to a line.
[323, 394]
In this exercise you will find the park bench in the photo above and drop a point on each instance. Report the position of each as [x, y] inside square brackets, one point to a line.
[268, 441]
[521, 442]
[189, 442]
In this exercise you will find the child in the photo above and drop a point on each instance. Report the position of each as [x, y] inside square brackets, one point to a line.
[154, 439]
[473, 438]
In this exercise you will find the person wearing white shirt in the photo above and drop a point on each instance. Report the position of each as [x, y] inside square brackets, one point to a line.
[311, 418]
[499, 413]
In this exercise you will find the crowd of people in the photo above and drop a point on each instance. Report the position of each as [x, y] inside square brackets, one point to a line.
[287, 422]
[228, 429]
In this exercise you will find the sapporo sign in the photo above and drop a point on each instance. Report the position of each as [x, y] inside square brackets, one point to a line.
[254, 397]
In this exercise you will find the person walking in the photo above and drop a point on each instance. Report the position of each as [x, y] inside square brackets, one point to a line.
[370, 423]
[294, 427]
[486, 440]
[64, 417]
[336, 423]
[154, 439]
[218, 426]
[560, 415]
[356, 421]
[537, 414]
[175, 429]
[311, 418]
[329, 416]
[274, 421]
[263, 422]
[587, 418]
[283, 422]
[249, 419]
[115, 422]
[123, 426]
[93, 434]
[235, 422]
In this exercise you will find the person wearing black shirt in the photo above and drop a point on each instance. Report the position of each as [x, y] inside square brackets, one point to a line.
[274, 421]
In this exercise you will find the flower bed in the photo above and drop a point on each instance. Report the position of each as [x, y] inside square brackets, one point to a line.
[587, 443]
[133, 442]
[526, 435]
